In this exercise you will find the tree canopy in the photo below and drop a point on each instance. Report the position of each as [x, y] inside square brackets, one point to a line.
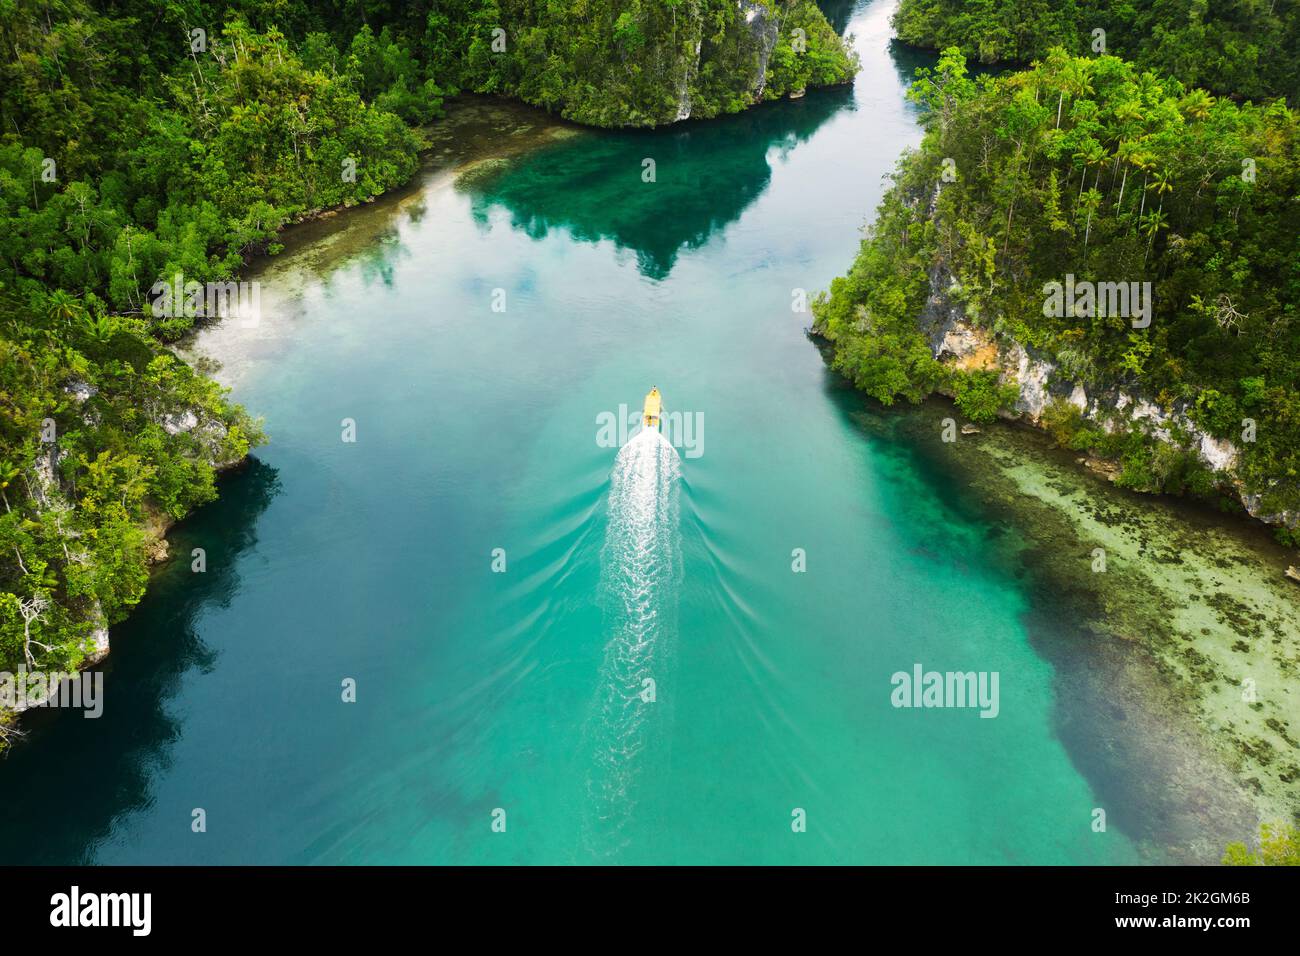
[1243, 48]
[1094, 167]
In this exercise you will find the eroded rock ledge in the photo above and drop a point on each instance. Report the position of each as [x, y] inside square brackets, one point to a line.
[954, 339]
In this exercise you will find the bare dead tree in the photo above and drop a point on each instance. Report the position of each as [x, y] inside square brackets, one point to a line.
[1227, 315]
[9, 731]
[32, 609]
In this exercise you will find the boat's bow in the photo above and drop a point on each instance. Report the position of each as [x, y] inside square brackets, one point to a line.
[650, 411]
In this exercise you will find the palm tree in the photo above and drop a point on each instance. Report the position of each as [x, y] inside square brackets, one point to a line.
[1196, 104]
[63, 305]
[1149, 87]
[1093, 154]
[1058, 63]
[1076, 81]
[1163, 184]
[1129, 111]
[1146, 163]
[101, 328]
[1152, 223]
[1128, 120]
[1124, 154]
[1090, 201]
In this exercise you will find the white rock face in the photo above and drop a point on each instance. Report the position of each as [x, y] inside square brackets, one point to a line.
[1149, 411]
[940, 315]
[951, 335]
[46, 468]
[1219, 453]
[81, 391]
[765, 30]
[1032, 375]
[175, 424]
[100, 648]
[684, 104]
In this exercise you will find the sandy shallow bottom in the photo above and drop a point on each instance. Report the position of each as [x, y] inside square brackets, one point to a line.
[1178, 665]
[478, 137]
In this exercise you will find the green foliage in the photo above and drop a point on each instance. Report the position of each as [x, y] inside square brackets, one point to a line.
[199, 173]
[73, 510]
[1091, 167]
[1279, 845]
[1244, 48]
[637, 62]
[980, 396]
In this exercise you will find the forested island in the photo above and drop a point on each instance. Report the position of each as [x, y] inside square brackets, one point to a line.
[147, 146]
[1091, 173]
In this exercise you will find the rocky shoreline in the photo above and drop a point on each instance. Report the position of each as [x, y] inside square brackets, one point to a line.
[959, 343]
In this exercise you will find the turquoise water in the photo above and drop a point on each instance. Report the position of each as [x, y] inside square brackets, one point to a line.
[521, 690]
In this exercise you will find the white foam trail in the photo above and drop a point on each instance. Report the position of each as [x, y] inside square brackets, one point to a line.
[640, 573]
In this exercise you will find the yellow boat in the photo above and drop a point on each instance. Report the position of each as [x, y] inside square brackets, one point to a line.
[650, 411]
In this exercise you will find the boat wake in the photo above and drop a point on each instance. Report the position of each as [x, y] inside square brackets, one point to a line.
[640, 574]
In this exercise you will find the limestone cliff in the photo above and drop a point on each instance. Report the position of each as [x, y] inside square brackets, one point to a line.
[954, 339]
[634, 63]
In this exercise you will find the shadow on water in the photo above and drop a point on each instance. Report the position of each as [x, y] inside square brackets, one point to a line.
[706, 173]
[85, 774]
[1121, 725]
[839, 12]
[908, 59]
